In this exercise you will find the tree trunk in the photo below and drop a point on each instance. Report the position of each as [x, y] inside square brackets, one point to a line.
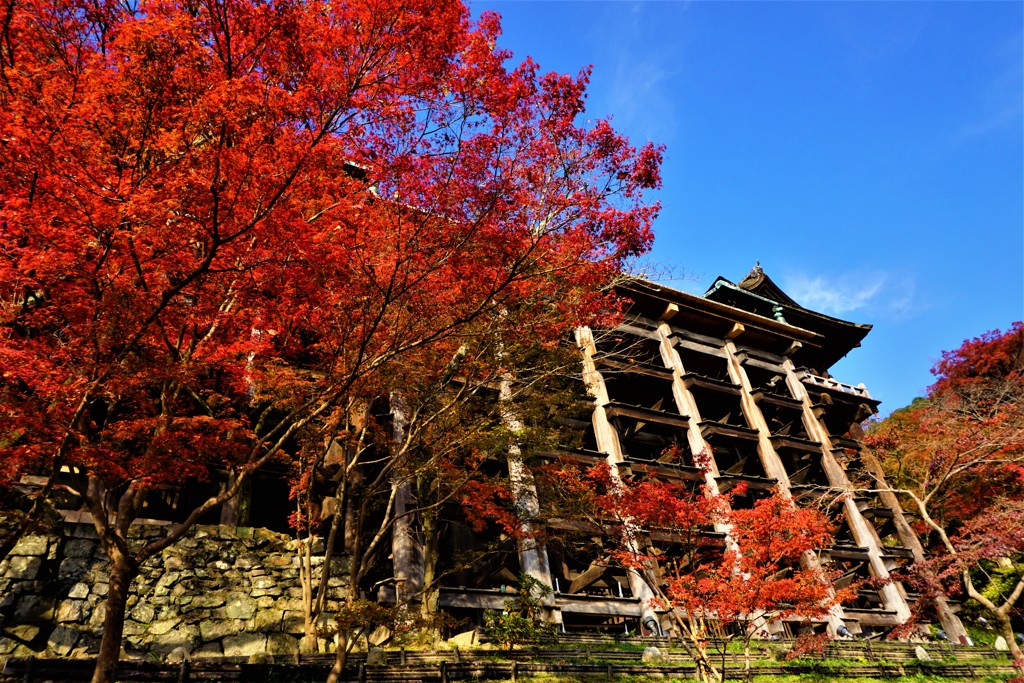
[344, 633]
[308, 644]
[354, 488]
[1006, 631]
[431, 595]
[697, 647]
[235, 510]
[340, 658]
[705, 668]
[305, 552]
[122, 572]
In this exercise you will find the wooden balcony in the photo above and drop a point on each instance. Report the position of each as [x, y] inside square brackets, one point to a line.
[615, 409]
[692, 380]
[710, 430]
[777, 397]
[795, 442]
[620, 363]
[727, 482]
[664, 469]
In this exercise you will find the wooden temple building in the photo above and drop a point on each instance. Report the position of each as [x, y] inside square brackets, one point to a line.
[741, 372]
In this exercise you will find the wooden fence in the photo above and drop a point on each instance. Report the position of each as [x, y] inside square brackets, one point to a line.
[883, 660]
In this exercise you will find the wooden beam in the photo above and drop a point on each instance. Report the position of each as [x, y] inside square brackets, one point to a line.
[593, 573]
[793, 348]
[619, 607]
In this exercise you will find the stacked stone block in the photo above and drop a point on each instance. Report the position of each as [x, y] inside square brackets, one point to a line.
[219, 591]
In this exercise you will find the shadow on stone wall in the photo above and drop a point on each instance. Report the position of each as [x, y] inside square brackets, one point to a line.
[219, 591]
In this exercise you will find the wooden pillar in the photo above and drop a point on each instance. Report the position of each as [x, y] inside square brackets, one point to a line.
[770, 459]
[950, 622]
[533, 556]
[687, 405]
[608, 443]
[406, 547]
[862, 531]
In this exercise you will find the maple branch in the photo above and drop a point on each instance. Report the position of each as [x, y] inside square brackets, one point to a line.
[93, 496]
[7, 52]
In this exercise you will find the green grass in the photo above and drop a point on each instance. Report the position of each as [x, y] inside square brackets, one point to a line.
[829, 678]
[808, 678]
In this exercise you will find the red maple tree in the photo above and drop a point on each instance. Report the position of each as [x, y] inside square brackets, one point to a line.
[223, 222]
[771, 572]
[758, 569]
[956, 457]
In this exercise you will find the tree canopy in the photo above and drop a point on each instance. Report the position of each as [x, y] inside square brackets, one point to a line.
[758, 570]
[222, 221]
[957, 458]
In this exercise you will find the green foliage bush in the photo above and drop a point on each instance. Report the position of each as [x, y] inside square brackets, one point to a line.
[520, 621]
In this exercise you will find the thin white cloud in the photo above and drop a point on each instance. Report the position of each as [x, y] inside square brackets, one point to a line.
[845, 293]
[999, 104]
[641, 78]
[638, 98]
[832, 296]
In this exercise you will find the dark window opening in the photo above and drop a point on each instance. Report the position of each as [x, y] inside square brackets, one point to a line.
[652, 442]
[622, 345]
[803, 467]
[744, 499]
[717, 406]
[573, 622]
[737, 457]
[577, 570]
[703, 364]
[175, 505]
[770, 382]
[488, 559]
[270, 506]
[640, 390]
[784, 421]
[842, 417]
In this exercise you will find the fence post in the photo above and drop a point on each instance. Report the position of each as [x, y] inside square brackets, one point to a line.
[183, 671]
[515, 672]
[609, 672]
[401, 656]
[444, 672]
[28, 670]
[362, 673]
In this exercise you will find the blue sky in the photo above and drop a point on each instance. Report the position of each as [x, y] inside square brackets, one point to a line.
[868, 154]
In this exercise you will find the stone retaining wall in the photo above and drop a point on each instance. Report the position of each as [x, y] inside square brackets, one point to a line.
[219, 591]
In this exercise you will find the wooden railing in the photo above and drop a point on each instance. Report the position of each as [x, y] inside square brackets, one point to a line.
[858, 390]
[884, 660]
